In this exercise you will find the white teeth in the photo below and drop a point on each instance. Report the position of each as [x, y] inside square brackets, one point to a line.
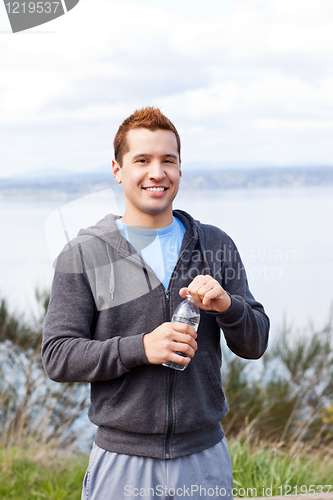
[155, 189]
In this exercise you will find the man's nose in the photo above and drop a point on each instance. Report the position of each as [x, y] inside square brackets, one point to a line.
[156, 171]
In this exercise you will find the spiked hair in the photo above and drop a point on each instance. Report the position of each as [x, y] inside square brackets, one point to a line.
[150, 118]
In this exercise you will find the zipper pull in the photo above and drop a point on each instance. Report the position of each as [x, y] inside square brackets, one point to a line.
[166, 294]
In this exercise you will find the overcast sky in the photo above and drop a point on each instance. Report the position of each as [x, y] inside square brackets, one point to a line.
[246, 83]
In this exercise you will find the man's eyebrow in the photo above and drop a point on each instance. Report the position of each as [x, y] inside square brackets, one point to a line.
[146, 155]
[140, 155]
[171, 155]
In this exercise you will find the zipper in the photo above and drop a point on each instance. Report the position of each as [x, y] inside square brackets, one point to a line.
[171, 371]
[171, 381]
[170, 416]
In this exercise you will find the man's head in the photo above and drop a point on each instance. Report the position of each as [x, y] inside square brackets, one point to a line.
[150, 118]
[147, 164]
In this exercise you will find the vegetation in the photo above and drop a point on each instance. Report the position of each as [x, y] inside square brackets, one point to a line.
[289, 402]
[279, 427]
[260, 471]
[280, 423]
[39, 473]
[33, 408]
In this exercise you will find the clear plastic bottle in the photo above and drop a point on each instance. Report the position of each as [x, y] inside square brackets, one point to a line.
[187, 312]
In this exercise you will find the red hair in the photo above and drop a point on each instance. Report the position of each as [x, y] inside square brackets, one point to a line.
[150, 118]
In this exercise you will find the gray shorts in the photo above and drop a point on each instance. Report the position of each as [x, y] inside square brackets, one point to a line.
[203, 475]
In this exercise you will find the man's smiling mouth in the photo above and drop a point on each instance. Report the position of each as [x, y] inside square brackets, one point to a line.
[157, 189]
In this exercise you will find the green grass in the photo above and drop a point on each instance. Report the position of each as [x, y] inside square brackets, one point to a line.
[282, 473]
[27, 476]
[288, 406]
[30, 474]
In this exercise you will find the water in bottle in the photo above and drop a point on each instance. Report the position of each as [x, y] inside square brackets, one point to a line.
[187, 312]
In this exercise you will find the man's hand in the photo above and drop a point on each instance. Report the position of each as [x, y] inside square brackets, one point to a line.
[207, 293]
[163, 343]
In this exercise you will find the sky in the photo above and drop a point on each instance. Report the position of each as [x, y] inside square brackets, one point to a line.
[247, 83]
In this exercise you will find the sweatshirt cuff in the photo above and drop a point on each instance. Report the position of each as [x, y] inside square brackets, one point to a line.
[131, 351]
[233, 314]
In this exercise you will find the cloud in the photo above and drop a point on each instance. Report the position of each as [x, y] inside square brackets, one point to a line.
[228, 76]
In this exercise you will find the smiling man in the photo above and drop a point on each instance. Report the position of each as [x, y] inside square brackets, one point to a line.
[114, 291]
[150, 174]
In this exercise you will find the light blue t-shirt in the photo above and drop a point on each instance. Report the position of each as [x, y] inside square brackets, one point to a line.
[159, 248]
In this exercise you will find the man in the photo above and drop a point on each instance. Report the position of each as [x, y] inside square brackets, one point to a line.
[114, 291]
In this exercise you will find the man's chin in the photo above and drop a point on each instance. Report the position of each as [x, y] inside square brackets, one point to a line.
[158, 212]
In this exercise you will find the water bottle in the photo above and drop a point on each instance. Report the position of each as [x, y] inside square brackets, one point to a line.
[187, 312]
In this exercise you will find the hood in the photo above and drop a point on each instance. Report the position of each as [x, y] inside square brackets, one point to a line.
[107, 230]
[117, 248]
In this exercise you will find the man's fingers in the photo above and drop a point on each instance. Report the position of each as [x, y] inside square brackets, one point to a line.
[209, 294]
[185, 348]
[212, 294]
[167, 339]
[184, 344]
[184, 340]
[201, 285]
[178, 358]
[184, 328]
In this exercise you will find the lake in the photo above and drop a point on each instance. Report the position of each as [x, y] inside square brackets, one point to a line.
[284, 237]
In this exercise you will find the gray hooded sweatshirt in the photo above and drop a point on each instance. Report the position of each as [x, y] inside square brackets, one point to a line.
[105, 298]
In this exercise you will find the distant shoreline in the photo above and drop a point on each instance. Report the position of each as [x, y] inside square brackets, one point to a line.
[274, 177]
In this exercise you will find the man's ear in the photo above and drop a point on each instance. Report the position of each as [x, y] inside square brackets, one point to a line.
[180, 169]
[116, 170]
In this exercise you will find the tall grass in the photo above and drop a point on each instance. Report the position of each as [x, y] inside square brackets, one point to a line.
[279, 427]
[33, 408]
[287, 401]
[40, 474]
[260, 471]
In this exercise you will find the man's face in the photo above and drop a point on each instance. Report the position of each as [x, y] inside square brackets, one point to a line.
[150, 176]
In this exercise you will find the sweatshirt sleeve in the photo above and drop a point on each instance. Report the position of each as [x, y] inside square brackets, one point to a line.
[69, 351]
[245, 324]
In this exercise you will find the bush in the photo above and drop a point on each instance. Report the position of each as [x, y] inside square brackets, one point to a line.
[286, 402]
[290, 403]
[32, 407]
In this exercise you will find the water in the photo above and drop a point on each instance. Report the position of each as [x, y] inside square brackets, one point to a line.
[284, 237]
[186, 312]
[285, 240]
[189, 320]
[176, 366]
[192, 320]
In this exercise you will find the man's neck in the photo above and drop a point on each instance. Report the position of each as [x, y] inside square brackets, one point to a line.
[148, 221]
